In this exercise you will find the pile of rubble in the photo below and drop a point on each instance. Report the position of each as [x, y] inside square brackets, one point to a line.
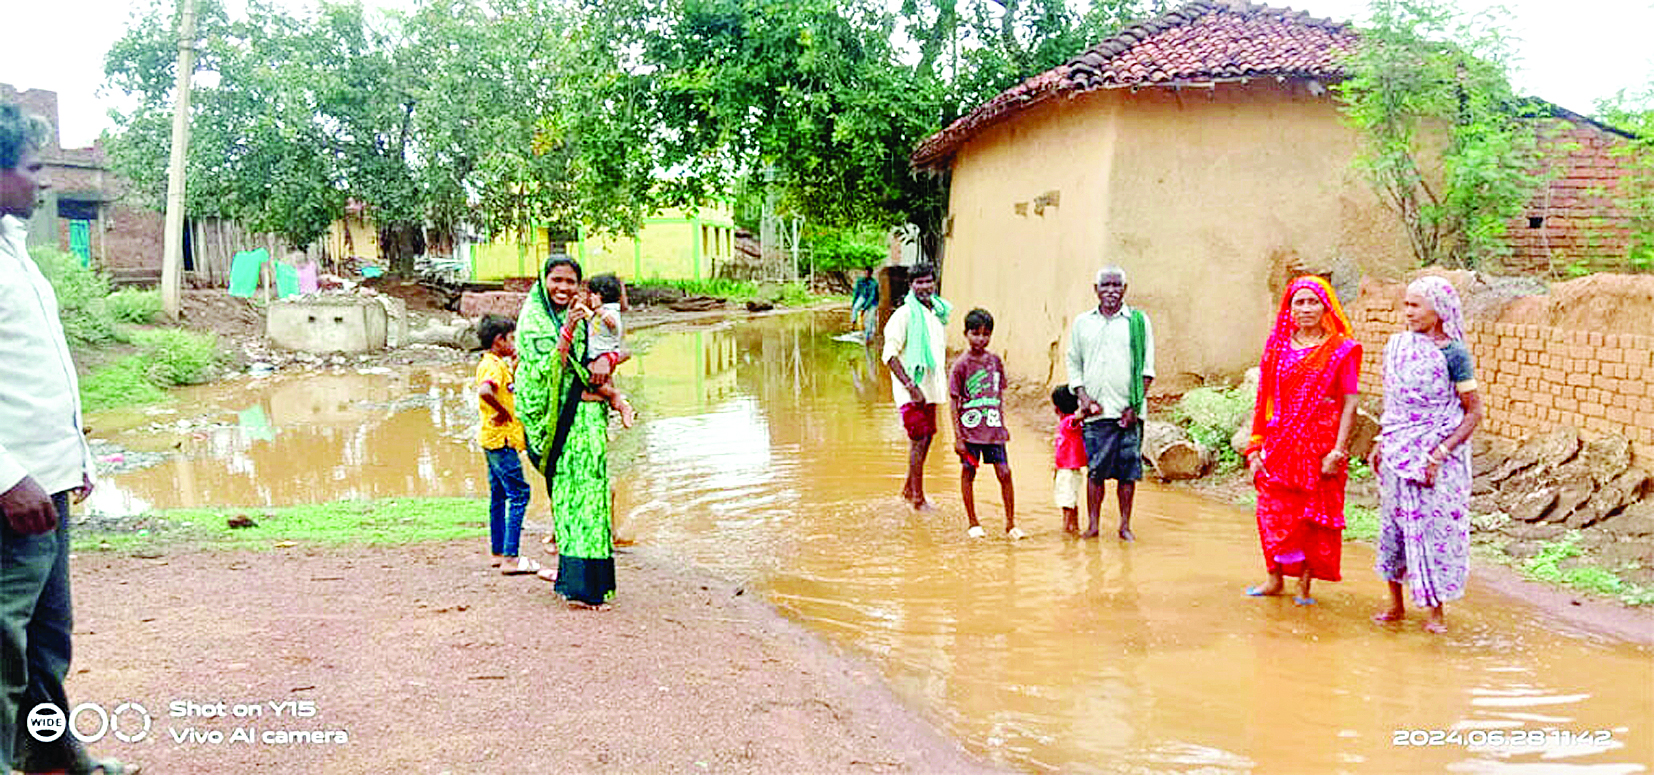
[1553, 484]
[1556, 478]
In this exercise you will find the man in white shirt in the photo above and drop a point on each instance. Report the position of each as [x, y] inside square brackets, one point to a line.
[43, 462]
[1110, 366]
[915, 341]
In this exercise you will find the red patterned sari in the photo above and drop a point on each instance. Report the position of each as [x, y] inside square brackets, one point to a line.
[1300, 400]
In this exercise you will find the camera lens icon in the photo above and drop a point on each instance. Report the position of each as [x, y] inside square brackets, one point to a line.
[46, 722]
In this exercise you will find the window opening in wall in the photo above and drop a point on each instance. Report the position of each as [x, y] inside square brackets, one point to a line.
[1535, 222]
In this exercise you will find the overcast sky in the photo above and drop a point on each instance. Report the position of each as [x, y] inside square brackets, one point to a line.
[1573, 51]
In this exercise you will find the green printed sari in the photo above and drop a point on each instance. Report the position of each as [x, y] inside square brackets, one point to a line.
[568, 441]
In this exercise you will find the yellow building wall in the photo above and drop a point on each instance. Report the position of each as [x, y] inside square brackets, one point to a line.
[508, 256]
[1208, 199]
[672, 245]
[697, 371]
[363, 239]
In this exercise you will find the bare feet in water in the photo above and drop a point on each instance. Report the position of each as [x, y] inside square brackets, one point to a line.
[1126, 534]
[1272, 588]
[1389, 615]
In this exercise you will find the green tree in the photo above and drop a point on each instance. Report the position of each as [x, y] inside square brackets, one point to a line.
[809, 98]
[1446, 142]
[258, 151]
[1633, 111]
[510, 114]
[443, 116]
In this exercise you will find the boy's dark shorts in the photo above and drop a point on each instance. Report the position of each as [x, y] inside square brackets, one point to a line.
[919, 419]
[1113, 452]
[985, 454]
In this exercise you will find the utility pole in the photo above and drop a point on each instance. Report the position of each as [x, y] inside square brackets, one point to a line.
[172, 258]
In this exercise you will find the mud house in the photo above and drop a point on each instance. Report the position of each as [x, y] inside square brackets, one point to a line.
[1203, 151]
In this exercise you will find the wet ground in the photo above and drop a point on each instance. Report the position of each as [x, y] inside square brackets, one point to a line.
[772, 456]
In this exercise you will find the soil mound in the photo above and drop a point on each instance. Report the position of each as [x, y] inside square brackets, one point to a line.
[1617, 303]
[215, 310]
[1610, 303]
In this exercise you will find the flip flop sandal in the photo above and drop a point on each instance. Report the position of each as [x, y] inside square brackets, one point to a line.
[1303, 600]
[1258, 592]
[547, 574]
[522, 567]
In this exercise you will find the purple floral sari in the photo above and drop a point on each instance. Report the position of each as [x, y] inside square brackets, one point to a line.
[1424, 534]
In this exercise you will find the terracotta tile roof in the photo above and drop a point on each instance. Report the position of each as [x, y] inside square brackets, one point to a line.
[1201, 42]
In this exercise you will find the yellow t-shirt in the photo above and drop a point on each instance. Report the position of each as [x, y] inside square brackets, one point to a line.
[497, 370]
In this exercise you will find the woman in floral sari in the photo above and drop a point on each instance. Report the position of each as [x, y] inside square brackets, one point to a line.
[1423, 463]
[1307, 392]
[568, 438]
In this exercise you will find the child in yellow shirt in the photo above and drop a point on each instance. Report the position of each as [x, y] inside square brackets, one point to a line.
[502, 437]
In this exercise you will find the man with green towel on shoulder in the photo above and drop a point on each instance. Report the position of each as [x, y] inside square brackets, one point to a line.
[1110, 366]
[915, 338]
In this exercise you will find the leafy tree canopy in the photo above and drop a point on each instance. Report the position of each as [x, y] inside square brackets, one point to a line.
[505, 114]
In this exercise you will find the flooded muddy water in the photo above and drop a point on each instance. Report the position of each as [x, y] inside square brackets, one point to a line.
[772, 454]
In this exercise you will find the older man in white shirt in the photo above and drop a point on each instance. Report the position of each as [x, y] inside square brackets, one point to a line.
[43, 462]
[1110, 366]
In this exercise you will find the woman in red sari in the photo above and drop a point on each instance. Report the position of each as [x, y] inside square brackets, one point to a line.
[1307, 392]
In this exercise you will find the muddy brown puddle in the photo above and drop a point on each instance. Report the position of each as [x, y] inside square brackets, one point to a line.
[771, 454]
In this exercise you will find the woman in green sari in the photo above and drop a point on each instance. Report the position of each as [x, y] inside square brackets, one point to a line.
[568, 438]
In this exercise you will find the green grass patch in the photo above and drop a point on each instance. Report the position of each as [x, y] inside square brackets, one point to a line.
[1211, 416]
[1360, 524]
[166, 357]
[123, 383]
[174, 356]
[367, 523]
[1638, 595]
[796, 295]
[81, 297]
[1547, 566]
[137, 307]
[783, 294]
[1593, 579]
[721, 287]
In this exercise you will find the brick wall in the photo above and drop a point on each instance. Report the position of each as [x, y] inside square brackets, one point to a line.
[126, 236]
[1575, 217]
[133, 237]
[1534, 378]
[39, 102]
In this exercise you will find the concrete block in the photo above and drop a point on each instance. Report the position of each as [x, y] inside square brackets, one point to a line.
[327, 324]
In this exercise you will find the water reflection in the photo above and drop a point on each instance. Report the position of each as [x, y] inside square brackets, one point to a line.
[771, 454]
[299, 439]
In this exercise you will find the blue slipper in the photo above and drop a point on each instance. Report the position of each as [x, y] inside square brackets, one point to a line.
[1303, 600]
[1258, 592]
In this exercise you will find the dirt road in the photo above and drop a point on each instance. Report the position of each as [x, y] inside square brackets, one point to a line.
[430, 662]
